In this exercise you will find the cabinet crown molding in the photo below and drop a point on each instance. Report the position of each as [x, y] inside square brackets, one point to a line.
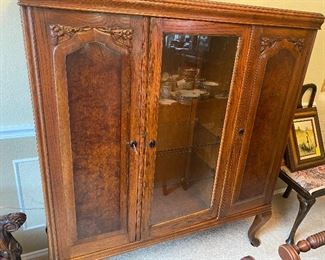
[122, 37]
[193, 9]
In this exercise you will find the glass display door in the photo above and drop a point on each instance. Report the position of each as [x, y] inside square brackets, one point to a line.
[190, 90]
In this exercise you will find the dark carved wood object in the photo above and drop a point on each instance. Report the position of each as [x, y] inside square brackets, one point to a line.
[9, 247]
[121, 168]
[291, 252]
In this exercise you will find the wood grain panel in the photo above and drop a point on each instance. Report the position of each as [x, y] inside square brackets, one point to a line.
[274, 76]
[74, 42]
[95, 125]
[276, 83]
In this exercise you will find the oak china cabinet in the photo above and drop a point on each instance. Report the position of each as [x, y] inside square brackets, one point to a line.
[159, 118]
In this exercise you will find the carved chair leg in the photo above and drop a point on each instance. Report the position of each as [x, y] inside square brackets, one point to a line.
[259, 221]
[304, 207]
[9, 247]
[291, 252]
[287, 192]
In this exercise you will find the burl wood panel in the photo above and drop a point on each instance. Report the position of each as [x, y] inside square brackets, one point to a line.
[94, 90]
[276, 83]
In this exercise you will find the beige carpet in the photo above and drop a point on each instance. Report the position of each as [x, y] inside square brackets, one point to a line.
[229, 242]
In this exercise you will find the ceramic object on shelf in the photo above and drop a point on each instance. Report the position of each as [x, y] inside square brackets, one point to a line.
[211, 87]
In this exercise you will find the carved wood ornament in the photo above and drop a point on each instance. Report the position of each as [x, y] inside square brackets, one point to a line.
[267, 43]
[9, 247]
[121, 37]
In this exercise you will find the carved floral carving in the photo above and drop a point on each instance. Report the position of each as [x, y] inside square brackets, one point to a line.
[298, 43]
[121, 37]
[267, 43]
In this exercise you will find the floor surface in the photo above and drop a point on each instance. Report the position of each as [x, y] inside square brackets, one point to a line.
[229, 242]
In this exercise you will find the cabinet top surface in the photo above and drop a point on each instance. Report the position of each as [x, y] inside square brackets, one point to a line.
[191, 9]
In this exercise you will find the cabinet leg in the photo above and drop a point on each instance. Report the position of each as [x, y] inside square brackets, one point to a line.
[287, 192]
[304, 207]
[259, 221]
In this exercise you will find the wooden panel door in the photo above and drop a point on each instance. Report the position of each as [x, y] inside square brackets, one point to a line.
[88, 97]
[275, 74]
[192, 103]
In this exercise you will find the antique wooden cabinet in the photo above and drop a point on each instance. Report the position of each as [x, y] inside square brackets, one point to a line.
[159, 118]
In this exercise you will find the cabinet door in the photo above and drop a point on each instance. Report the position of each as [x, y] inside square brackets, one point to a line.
[275, 74]
[92, 69]
[191, 109]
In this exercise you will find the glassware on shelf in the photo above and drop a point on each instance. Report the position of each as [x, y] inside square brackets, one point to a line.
[211, 87]
[165, 77]
[189, 75]
[166, 89]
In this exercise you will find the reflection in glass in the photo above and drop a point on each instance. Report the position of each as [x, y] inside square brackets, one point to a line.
[195, 83]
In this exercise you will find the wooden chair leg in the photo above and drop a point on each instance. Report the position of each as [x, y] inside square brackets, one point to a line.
[304, 207]
[291, 252]
[287, 192]
[258, 222]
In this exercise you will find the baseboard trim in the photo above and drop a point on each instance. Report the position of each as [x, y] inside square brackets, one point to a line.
[33, 255]
[17, 131]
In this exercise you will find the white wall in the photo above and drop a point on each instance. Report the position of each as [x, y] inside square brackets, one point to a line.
[17, 140]
[15, 101]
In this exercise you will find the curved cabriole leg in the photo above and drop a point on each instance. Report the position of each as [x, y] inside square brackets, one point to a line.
[259, 221]
[9, 247]
[304, 208]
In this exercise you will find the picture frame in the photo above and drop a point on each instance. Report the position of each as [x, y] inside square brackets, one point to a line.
[305, 147]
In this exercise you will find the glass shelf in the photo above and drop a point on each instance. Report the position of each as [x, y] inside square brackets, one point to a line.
[184, 149]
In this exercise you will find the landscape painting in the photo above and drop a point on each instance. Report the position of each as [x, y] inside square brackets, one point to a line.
[306, 137]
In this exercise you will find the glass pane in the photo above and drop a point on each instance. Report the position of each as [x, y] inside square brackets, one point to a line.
[195, 82]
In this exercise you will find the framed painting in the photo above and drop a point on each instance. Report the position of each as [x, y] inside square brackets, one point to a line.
[305, 148]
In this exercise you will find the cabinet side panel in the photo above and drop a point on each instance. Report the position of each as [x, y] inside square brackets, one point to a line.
[94, 93]
[276, 83]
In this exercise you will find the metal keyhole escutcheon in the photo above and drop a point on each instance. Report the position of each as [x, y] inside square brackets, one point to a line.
[152, 144]
[133, 145]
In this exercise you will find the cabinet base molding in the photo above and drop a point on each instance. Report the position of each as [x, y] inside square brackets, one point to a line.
[178, 234]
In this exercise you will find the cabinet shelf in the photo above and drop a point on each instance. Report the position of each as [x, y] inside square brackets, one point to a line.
[201, 138]
[180, 150]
